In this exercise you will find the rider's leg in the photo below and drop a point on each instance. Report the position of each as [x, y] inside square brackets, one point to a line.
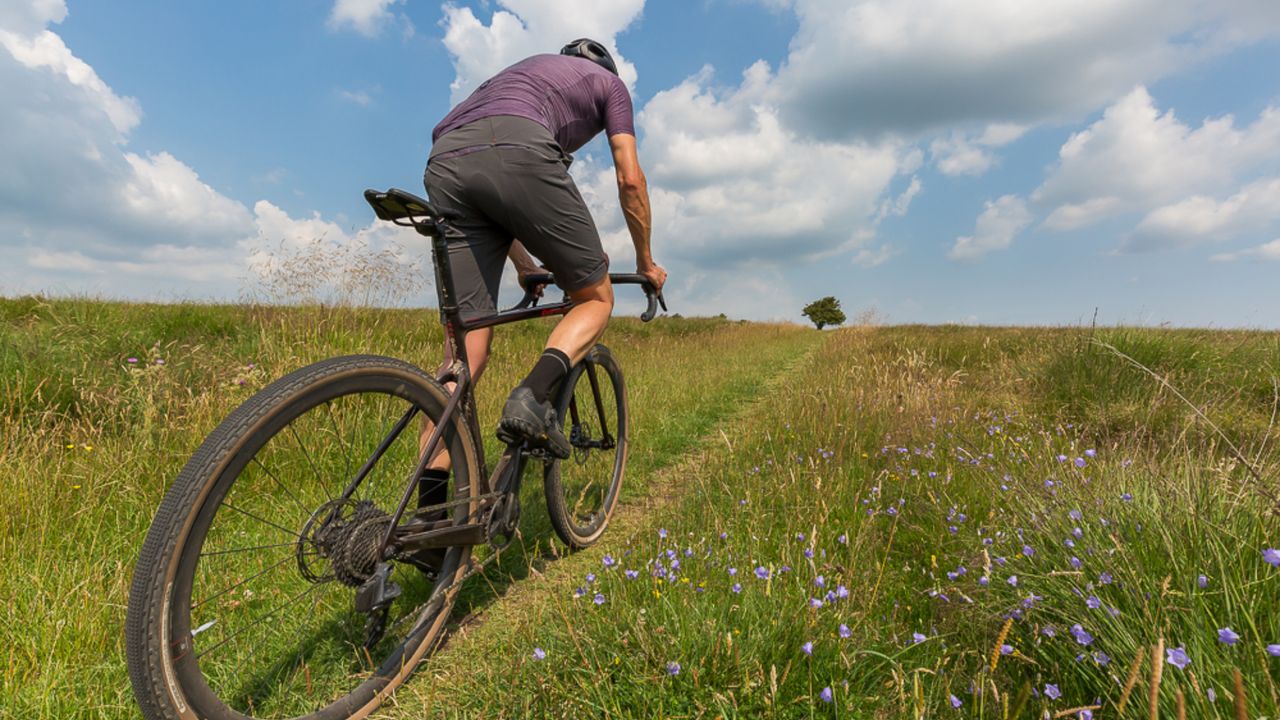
[579, 331]
[573, 336]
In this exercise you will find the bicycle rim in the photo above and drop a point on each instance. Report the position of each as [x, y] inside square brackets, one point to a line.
[260, 592]
[583, 489]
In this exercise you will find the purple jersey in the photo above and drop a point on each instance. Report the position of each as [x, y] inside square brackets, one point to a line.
[573, 98]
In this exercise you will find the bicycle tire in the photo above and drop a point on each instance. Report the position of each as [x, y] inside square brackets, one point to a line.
[165, 672]
[572, 524]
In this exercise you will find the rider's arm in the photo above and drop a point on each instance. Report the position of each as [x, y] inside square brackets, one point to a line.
[633, 192]
[524, 262]
[525, 265]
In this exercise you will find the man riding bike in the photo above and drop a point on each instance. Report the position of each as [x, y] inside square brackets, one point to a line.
[499, 164]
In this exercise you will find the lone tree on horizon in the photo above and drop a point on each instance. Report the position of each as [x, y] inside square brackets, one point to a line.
[824, 312]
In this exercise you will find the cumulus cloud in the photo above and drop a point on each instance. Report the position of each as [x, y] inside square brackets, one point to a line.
[1266, 251]
[76, 203]
[732, 182]
[367, 17]
[961, 154]
[529, 27]
[908, 66]
[1136, 158]
[997, 226]
[1255, 208]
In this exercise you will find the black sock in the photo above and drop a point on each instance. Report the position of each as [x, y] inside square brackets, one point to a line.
[547, 373]
[433, 487]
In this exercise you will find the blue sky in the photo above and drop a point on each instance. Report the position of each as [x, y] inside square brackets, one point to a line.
[983, 162]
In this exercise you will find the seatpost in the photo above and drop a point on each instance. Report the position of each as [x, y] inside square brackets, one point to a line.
[449, 311]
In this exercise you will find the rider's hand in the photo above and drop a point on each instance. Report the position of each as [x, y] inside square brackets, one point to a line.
[535, 289]
[655, 273]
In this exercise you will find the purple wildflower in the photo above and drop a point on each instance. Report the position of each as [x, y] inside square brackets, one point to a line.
[1013, 580]
[1177, 657]
[539, 654]
[1228, 636]
[1028, 550]
[1272, 556]
[673, 668]
[955, 702]
[815, 603]
[1093, 602]
[598, 599]
[1104, 577]
[1081, 635]
[632, 574]
[1127, 497]
[737, 587]
[843, 540]
[1006, 649]
[1052, 692]
[1203, 581]
[845, 631]
[807, 648]
[1273, 650]
[1101, 658]
[1080, 462]
[762, 573]
[662, 533]
[918, 637]
[609, 561]
[826, 695]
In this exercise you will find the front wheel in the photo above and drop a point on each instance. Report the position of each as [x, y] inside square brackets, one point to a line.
[242, 603]
[582, 490]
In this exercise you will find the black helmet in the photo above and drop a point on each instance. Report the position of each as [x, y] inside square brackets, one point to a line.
[591, 50]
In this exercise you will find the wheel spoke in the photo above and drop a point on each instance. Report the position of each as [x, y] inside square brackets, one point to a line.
[310, 589]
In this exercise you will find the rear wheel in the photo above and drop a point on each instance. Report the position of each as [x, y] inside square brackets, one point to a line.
[242, 603]
[582, 490]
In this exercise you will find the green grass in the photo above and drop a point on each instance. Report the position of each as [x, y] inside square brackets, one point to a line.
[818, 468]
[881, 459]
[89, 442]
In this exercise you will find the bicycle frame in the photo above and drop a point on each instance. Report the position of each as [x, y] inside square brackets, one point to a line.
[408, 210]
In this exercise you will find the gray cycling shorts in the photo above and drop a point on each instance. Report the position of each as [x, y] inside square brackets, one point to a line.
[507, 178]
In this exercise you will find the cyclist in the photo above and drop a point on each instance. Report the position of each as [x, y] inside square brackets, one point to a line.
[499, 162]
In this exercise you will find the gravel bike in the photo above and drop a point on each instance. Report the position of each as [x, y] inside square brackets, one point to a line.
[298, 567]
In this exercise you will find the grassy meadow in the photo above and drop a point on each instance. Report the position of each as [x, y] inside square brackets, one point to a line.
[875, 522]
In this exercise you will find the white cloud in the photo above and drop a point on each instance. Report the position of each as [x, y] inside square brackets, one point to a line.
[997, 226]
[77, 205]
[356, 97]
[960, 154]
[529, 27]
[1266, 251]
[1202, 219]
[732, 182]
[1136, 158]
[860, 67]
[869, 258]
[367, 17]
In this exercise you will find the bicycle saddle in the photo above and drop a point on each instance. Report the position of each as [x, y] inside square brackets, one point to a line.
[397, 206]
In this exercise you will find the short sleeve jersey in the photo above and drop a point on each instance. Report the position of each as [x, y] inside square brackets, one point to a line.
[572, 97]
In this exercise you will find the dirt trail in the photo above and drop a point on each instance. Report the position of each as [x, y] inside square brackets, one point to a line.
[483, 635]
